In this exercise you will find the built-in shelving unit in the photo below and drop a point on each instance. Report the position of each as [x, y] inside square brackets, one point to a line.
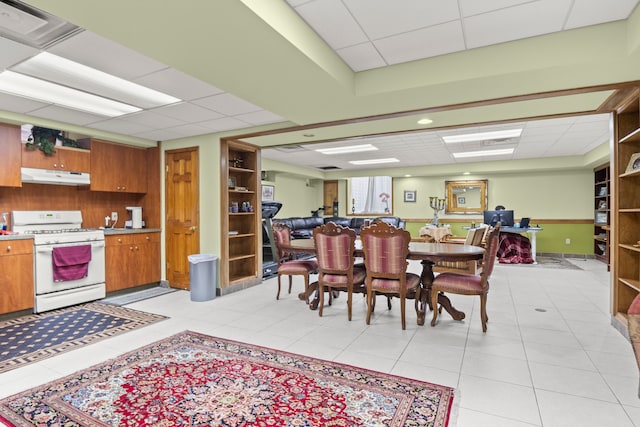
[241, 217]
[601, 206]
[625, 221]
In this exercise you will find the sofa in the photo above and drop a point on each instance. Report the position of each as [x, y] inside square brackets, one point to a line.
[302, 227]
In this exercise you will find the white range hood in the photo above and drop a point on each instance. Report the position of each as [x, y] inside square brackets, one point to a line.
[54, 177]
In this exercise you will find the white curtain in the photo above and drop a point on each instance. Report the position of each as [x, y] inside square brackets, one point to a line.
[371, 195]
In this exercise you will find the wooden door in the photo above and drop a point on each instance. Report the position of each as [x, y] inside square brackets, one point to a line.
[330, 196]
[182, 214]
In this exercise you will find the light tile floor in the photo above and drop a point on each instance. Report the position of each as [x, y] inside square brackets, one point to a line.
[549, 358]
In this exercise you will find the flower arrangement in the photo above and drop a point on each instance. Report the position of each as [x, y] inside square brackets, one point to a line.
[384, 198]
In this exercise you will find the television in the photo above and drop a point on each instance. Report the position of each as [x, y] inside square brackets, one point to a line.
[504, 216]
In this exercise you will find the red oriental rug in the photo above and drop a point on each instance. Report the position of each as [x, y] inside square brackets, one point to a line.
[191, 379]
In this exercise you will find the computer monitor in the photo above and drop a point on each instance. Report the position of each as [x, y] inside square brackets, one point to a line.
[505, 217]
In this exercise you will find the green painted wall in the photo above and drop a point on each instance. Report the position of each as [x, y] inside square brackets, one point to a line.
[551, 198]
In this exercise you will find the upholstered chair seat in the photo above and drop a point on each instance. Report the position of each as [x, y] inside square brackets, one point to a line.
[385, 250]
[335, 250]
[465, 284]
[288, 265]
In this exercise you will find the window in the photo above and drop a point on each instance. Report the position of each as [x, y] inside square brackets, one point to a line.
[370, 195]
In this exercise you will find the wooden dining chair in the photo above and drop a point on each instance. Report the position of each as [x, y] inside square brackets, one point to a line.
[468, 284]
[474, 237]
[335, 246]
[385, 250]
[288, 265]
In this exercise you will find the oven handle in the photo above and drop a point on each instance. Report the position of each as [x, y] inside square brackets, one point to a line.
[49, 249]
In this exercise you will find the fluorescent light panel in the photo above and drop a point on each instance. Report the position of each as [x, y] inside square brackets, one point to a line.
[347, 149]
[374, 161]
[56, 69]
[483, 136]
[500, 152]
[29, 87]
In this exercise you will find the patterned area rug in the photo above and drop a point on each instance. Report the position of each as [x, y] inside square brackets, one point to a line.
[191, 379]
[35, 337]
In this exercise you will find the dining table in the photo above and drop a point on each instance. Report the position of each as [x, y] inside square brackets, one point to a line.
[427, 253]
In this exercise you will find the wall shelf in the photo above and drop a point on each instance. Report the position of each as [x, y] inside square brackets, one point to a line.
[241, 259]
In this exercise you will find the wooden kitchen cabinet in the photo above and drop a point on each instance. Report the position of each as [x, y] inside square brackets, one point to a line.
[65, 158]
[131, 260]
[16, 275]
[11, 155]
[118, 168]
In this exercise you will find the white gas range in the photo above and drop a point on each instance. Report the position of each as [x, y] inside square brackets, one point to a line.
[69, 262]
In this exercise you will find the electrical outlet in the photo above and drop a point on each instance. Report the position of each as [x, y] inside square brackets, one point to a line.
[114, 216]
[567, 241]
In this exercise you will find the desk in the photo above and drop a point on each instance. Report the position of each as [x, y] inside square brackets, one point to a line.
[518, 230]
[428, 254]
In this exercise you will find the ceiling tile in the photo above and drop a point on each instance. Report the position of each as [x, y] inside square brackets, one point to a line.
[589, 12]
[186, 112]
[95, 51]
[18, 104]
[178, 84]
[415, 45]
[259, 117]
[13, 52]
[528, 20]
[227, 123]
[383, 18]
[475, 7]
[362, 57]
[333, 22]
[227, 104]
[65, 115]
[153, 120]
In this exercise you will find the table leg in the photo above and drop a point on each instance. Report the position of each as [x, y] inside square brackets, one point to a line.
[426, 279]
[533, 245]
[315, 301]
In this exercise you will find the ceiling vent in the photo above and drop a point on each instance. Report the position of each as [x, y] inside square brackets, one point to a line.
[291, 148]
[328, 168]
[30, 26]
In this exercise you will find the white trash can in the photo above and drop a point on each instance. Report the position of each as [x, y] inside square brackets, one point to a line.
[203, 277]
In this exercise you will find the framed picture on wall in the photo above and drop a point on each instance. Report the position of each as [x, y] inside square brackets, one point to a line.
[267, 192]
[410, 195]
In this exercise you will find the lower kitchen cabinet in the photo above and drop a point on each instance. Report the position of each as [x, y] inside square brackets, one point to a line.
[16, 275]
[132, 260]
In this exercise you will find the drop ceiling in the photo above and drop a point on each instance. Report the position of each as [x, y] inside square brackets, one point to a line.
[245, 66]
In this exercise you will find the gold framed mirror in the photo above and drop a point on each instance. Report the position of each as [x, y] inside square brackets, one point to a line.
[466, 197]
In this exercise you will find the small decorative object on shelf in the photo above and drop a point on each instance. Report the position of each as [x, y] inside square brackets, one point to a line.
[634, 163]
[236, 163]
[438, 206]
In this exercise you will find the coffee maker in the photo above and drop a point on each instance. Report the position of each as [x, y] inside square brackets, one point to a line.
[136, 217]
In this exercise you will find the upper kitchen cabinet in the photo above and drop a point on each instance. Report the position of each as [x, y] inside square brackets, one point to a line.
[10, 158]
[65, 158]
[118, 168]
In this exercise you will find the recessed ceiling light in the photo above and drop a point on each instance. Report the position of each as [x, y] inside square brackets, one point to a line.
[466, 173]
[501, 152]
[374, 161]
[425, 121]
[483, 136]
[29, 87]
[347, 149]
[407, 176]
[62, 71]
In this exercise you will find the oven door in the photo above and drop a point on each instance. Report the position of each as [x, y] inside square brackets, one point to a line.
[44, 282]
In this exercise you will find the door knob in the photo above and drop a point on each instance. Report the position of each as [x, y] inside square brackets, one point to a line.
[193, 228]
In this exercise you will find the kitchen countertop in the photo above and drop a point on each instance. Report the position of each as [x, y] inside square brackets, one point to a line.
[114, 231]
[15, 236]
